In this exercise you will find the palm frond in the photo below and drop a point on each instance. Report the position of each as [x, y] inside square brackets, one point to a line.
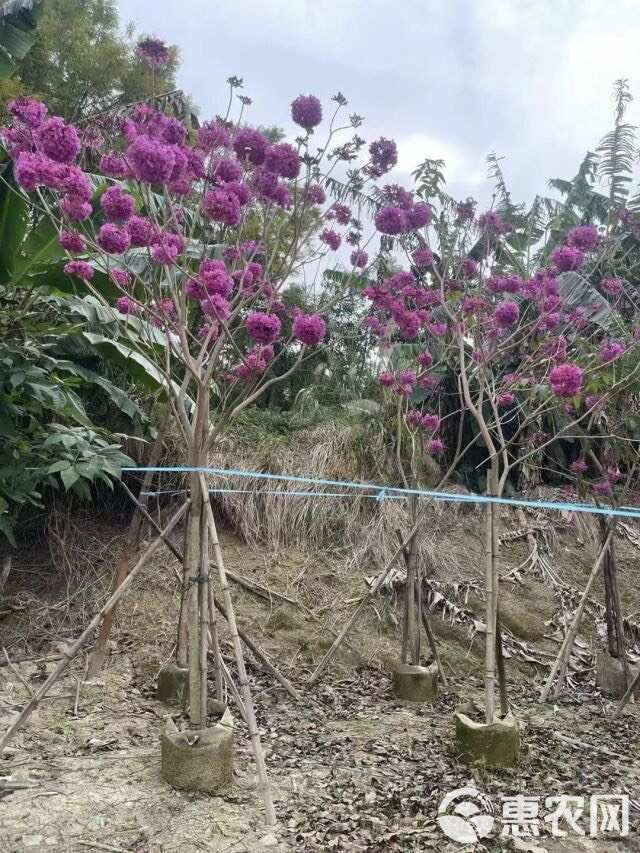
[617, 149]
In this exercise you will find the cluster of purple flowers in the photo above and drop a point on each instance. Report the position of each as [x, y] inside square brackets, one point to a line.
[393, 219]
[565, 380]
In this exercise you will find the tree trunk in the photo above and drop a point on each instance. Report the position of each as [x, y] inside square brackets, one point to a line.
[491, 579]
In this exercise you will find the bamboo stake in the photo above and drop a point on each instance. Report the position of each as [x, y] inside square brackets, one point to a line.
[99, 652]
[215, 643]
[113, 599]
[627, 695]
[502, 676]
[263, 780]
[6, 568]
[560, 665]
[330, 654]
[410, 597]
[426, 622]
[619, 620]
[253, 647]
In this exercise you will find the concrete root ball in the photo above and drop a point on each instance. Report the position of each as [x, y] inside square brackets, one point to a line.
[198, 760]
[417, 684]
[172, 684]
[494, 744]
[610, 676]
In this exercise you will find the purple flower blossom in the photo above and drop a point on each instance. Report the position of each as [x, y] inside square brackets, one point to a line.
[250, 146]
[309, 329]
[221, 206]
[567, 258]
[240, 190]
[75, 207]
[126, 305]
[58, 140]
[306, 111]
[154, 52]
[118, 206]
[506, 314]
[112, 239]
[425, 359]
[213, 134]
[72, 241]
[331, 238]
[216, 306]
[119, 276]
[413, 418]
[224, 169]
[114, 166]
[492, 224]
[391, 220]
[81, 269]
[386, 379]
[28, 111]
[140, 231]
[602, 487]
[465, 211]
[430, 422]
[384, 156]
[469, 267]
[593, 401]
[612, 286]
[565, 380]
[151, 161]
[263, 328]
[506, 399]
[174, 132]
[340, 212]
[610, 350]
[584, 237]
[314, 194]
[473, 304]
[282, 159]
[166, 247]
[435, 446]
[437, 329]
[577, 318]
[28, 170]
[504, 284]
[579, 466]
[359, 258]
[422, 257]
[419, 215]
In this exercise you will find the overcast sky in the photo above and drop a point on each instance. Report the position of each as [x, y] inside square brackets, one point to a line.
[456, 79]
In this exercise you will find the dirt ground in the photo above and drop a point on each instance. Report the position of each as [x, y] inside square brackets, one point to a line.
[352, 768]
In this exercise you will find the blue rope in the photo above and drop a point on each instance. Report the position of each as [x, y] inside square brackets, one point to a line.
[381, 492]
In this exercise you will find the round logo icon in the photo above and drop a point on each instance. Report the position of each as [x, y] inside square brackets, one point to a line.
[465, 815]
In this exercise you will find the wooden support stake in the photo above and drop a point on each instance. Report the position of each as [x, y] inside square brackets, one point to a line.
[245, 690]
[560, 666]
[627, 695]
[113, 599]
[426, 622]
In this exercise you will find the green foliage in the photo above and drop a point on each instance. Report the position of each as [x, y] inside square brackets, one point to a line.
[617, 149]
[18, 22]
[80, 63]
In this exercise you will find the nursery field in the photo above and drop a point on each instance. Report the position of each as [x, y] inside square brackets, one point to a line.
[352, 768]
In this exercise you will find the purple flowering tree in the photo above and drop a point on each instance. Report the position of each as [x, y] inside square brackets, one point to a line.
[182, 234]
[526, 340]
